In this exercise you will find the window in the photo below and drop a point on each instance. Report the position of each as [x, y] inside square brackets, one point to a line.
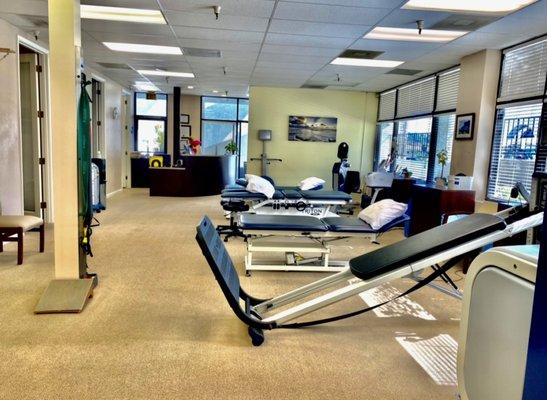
[413, 141]
[514, 148]
[151, 123]
[417, 141]
[515, 143]
[445, 137]
[225, 120]
[385, 139]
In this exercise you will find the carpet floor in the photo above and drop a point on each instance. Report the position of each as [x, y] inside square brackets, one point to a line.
[158, 326]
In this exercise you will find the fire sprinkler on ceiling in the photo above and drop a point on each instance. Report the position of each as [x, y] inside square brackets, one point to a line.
[216, 10]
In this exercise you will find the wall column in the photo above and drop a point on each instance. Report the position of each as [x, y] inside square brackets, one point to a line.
[64, 60]
[477, 94]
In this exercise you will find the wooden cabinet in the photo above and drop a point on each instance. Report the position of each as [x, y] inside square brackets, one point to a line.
[428, 205]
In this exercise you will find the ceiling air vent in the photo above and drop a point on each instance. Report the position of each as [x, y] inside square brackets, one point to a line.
[402, 71]
[362, 54]
[312, 86]
[194, 52]
[458, 22]
[114, 65]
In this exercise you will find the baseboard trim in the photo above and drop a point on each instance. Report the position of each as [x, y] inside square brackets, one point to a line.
[109, 195]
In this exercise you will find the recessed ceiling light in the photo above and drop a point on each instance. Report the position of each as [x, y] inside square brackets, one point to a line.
[477, 6]
[122, 14]
[358, 62]
[190, 87]
[405, 34]
[159, 72]
[142, 48]
[144, 86]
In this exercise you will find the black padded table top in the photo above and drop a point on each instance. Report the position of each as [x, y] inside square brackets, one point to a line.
[244, 194]
[325, 195]
[292, 194]
[425, 244]
[356, 225]
[291, 223]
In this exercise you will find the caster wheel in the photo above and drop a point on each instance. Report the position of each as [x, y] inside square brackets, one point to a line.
[226, 239]
[257, 336]
[248, 274]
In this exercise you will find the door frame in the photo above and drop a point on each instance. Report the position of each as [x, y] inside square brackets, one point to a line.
[44, 88]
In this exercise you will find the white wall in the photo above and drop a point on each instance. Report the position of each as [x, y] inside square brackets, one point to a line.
[11, 195]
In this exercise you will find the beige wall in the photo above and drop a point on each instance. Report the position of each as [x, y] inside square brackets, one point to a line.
[190, 105]
[477, 94]
[270, 108]
[11, 195]
[113, 135]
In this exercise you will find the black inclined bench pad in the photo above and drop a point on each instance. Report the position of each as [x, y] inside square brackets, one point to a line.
[425, 244]
[275, 222]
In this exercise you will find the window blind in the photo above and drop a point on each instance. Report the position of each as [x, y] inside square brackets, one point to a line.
[523, 71]
[386, 108]
[447, 90]
[514, 148]
[416, 98]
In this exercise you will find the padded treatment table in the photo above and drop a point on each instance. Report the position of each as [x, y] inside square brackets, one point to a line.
[314, 237]
[442, 247]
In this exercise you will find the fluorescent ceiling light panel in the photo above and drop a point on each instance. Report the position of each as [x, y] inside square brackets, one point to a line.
[469, 6]
[190, 87]
[412, 35]
[145, 86]
[143, 48]
[122, 14]
[360, 62]
[159, 72]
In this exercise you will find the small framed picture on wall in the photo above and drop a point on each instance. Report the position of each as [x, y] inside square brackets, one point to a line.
[465, 124]
[184, 119]
[185, 130]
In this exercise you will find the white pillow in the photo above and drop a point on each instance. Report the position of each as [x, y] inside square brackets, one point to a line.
[311, 183]
[382, 212]
[257, 184]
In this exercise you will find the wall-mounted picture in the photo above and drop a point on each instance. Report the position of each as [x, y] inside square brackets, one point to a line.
[464, 126]
[184, 118]
[312, 129]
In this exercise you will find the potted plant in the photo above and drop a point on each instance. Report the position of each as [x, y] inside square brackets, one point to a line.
[231, 148]
[442, 157]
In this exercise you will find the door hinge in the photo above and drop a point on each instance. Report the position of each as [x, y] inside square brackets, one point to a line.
[126, 127]
[43, 205]
[126, 177]
[98, 91]
[40, 114]
[125, 101]
[42, 161]
[98, 123]
[39, 68]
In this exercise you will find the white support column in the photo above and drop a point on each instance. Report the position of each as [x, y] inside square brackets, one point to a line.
[64, 45]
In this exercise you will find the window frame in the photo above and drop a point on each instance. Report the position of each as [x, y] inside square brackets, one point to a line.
[137, 117]
[433, 114]
[516, 101]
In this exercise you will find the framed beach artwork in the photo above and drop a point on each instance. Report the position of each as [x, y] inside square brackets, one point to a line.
[464, 126]
[312, 129]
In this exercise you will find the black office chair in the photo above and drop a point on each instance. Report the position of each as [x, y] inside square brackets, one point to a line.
[232, 230]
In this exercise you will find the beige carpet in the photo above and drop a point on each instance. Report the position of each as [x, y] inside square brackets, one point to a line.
[158, 326]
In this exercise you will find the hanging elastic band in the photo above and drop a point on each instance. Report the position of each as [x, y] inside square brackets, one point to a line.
[449, 264]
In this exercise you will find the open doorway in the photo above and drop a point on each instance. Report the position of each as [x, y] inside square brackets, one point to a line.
[31, 82]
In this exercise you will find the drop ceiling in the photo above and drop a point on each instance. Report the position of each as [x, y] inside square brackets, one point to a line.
[278, 43]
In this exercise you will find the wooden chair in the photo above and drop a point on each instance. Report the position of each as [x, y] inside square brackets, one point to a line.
[13, 227]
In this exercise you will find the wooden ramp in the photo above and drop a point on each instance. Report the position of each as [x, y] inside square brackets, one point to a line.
[65, 296]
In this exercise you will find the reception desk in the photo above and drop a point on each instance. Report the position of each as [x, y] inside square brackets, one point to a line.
[198, 176]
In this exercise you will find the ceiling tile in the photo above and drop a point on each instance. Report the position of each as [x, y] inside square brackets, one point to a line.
[301, 50]
[282, 66]
[94, 25]
[242, 8]
[309, 41]
[147, 4]
[401, 18]
[318, 29]
[208, 21]
[135, 38]
[329, 13]
[355, 3]
[186, 32]
[291, 58]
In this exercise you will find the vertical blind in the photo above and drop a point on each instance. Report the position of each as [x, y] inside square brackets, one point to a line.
[523, 71]
[416, 99]
[447, 90]
[386, 108]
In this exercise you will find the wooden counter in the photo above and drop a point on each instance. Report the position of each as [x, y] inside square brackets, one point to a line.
[199, 176]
